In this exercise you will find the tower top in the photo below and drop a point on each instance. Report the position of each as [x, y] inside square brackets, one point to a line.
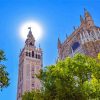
[29, 28]
[30, 32]
[30, 41]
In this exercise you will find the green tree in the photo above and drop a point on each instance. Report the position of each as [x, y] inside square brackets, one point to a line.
[33, 95]
[4, 80]
[76, 78]
[28, 96]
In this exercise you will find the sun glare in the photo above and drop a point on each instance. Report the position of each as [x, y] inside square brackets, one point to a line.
[35, 27]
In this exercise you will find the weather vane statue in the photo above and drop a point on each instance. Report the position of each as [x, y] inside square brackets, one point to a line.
[29, 28]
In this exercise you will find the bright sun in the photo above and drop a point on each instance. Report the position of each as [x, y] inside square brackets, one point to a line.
[35, 27]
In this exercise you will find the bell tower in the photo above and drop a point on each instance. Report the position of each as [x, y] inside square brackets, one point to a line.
[30, 63]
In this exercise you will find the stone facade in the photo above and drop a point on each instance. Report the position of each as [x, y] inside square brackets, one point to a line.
[30, 62]
[85, 39]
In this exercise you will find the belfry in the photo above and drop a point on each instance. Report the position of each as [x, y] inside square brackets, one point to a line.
[30, 63]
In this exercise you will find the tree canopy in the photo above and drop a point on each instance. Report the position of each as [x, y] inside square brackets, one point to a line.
[76, 78]
[4, 80]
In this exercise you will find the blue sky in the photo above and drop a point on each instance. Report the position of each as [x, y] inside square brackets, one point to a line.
[57, 18]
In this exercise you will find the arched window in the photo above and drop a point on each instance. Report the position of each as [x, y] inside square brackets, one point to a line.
[75, 46]
[36, 55]
[39, 57]
[32, 53]
[26, 53]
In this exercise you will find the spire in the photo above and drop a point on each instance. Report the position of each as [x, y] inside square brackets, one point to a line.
[66, 35]
[86, 13]
[59, 43]
[81, 19]
[85, 10]
[74, 28]
[59, 40]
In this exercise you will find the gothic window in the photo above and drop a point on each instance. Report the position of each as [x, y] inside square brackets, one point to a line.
[39, 57]
[32, 53]
[32, 84]
[26, 53]
[32, 76]
[75, 46]
[36, 55]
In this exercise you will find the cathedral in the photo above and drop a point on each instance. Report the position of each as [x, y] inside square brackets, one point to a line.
[85, 39]
[30, 62]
